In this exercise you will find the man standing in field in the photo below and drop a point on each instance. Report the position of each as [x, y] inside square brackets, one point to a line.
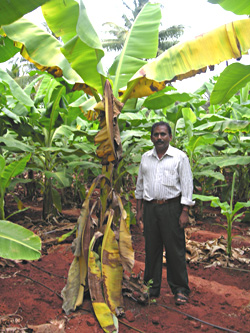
[164, 192]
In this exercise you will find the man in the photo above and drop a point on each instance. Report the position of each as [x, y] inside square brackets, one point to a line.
[164, 192]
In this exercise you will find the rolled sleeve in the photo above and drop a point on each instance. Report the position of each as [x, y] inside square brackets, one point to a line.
[186, 180]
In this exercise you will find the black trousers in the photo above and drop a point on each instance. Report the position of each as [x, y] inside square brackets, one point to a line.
[161, 229]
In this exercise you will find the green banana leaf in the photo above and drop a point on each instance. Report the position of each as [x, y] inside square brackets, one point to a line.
[242, 111]
[51, 116]
[66, 12]
[240, 205]
[64, 180]
[230, 81]
[205, 197]
[174, 114]
[225, 161]
[209, 173]
[12, 170]
[9, 50]
[192, 57]
[227, 125]
[18, 243]
[239, 7]
[164, 99]
[12, 10]
[202, 140]
[84, 51]
[15, 89]
[15, 146]
[141, 43]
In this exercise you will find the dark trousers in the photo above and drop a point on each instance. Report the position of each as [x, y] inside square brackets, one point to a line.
[161, 229]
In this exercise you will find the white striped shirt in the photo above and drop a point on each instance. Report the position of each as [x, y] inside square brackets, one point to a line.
[165, 178]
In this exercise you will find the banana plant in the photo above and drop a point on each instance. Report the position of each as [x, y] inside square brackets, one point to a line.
[229, 210]
[100, 268]
[7, 173]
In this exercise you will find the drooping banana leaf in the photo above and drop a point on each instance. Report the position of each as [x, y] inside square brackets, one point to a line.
[73, 292]
[40, 48]
[106, 318]
[141, 44]
[125, 240]
[112, 272]
[110, 148]
[239, 7]
[230, 81]
[11, 11]
[187, 59]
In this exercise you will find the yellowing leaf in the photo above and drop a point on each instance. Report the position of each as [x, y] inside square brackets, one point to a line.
[20, 205]
[189, 58]
[110, 148]
[83, 86]
[112, 271]
[104, 315]
[144, 87]
[125, 241]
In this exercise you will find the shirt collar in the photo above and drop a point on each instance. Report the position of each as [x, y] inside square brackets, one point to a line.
[169, 152]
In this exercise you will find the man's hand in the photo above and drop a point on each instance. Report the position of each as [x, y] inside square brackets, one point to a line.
[139, 220]
[140, 225]
[139, 214]
[183, 221]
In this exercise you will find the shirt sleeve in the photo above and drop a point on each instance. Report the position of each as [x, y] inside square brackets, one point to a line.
[139, 184]
[186, 181]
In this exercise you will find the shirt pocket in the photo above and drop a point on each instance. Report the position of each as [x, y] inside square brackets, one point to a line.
[170, 178]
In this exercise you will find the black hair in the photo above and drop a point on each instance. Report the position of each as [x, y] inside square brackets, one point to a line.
[161, 123]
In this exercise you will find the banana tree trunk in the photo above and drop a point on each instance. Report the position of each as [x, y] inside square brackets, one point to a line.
[48, 207]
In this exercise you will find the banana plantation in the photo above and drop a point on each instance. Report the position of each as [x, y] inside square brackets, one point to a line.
[74, 134]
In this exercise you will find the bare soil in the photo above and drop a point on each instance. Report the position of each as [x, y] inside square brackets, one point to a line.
[30, 291]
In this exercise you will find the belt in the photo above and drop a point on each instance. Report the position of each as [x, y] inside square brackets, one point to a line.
[162, 201]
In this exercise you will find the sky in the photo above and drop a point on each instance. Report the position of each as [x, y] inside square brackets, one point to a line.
[197, 16]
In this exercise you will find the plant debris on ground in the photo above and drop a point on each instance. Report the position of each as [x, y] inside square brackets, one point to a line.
[220, 291]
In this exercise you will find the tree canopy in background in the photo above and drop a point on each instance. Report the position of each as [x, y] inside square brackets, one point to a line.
[167, 37]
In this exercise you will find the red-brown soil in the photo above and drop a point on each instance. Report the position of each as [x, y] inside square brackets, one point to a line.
[30, 291]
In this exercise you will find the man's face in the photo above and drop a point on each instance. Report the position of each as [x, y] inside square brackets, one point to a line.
[161, 138]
